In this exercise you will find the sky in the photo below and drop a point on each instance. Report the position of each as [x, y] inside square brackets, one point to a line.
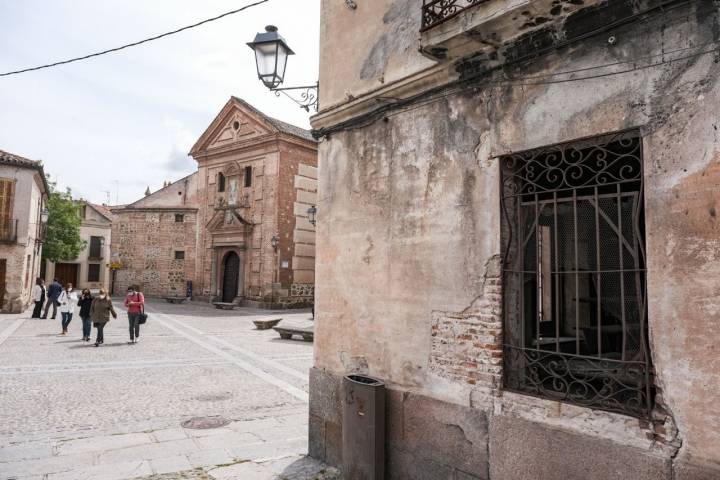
[112, 126]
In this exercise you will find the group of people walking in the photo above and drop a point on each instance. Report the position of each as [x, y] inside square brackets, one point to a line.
[94, 310]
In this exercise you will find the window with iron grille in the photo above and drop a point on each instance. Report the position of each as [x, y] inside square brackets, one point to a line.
[93, 272]
[574, 274]
[95, 251]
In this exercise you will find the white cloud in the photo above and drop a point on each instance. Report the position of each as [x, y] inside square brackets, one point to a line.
[126, 120]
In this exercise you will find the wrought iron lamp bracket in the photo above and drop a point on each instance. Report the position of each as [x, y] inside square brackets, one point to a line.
[308, 96]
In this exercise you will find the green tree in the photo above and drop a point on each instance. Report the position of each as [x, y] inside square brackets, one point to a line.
[62, 240]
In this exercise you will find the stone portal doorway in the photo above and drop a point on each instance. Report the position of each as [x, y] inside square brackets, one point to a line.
[231, 272]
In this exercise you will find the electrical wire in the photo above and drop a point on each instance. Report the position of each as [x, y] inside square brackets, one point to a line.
[134, 44]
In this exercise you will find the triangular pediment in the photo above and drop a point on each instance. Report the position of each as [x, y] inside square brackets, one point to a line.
[236, 122]
[227, 220]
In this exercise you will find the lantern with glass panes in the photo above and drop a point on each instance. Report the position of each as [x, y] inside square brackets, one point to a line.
[271, 55]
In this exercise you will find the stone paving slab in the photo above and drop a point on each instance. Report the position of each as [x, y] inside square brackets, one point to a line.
[287, 468]
[72, 411]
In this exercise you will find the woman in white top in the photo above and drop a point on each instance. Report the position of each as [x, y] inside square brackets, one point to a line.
[67, 300]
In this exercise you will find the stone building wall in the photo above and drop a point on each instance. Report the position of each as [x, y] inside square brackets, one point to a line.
[241, 137]
[146, 242]
[296, 193]
[409, 233]
[22, 254]
[147, 233]
[94, 224]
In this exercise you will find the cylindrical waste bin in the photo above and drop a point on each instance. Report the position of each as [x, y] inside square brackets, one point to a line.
[363, 428]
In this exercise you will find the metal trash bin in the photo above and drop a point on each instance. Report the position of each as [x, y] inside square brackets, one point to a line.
[363, 429]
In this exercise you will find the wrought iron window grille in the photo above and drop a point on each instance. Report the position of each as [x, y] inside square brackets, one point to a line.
[435, 12]
[575, 312]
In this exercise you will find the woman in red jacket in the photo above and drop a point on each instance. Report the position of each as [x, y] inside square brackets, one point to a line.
[135, 303]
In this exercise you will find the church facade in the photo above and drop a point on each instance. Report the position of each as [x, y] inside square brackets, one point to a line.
[246, 237]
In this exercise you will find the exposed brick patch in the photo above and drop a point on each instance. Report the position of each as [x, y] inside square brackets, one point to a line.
[467, 346]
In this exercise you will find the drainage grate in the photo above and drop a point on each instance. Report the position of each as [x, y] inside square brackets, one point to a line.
[204, 423]
[218, 397]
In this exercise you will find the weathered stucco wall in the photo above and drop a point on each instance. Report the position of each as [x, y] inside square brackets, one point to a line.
[383, 35]
[408, 226]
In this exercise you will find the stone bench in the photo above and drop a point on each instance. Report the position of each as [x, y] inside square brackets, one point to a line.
[286, 333]
[225, 305]
[175, 299]
[267, 323]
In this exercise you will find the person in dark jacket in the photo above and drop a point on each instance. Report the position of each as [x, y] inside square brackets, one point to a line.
[38, 294]
[85, 303]
[53, 293]
[100, 311]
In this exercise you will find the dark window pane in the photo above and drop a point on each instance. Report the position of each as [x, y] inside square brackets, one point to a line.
[248, 176]
[93, 272]
[179, 255]
[95, 251]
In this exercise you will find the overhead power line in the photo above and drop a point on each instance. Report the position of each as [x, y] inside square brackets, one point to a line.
[134, 44]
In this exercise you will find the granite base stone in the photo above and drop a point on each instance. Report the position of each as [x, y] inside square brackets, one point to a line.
[688, 470]
[431, 439]
[521, 449]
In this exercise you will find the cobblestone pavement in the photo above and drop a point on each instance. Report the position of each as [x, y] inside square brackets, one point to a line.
[69, 410]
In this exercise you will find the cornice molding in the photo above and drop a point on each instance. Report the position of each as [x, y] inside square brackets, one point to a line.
[419, 82]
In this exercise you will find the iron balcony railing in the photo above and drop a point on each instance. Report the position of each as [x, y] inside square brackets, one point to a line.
[8, 230]
[434, 12]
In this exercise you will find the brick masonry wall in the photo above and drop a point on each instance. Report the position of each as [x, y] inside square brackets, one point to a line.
[297, 190]
[146, 242]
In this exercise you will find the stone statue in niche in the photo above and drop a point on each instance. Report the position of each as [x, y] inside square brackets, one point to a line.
[232, 197]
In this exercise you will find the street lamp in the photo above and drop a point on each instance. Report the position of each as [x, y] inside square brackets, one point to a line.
[271, 54]
[311, 215]
[275, 242]
[44, 215]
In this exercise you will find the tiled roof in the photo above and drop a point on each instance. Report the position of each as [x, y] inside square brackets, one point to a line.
[7, 158]
[104, 210]
[279, 124]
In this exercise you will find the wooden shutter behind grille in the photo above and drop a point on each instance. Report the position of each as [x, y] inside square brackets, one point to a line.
[7, 191]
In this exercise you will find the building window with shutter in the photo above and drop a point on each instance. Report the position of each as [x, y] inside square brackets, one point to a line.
[95, 252]
[248, 176]
[179, 255]
[7, 197]
[575, 307]
[93, 272]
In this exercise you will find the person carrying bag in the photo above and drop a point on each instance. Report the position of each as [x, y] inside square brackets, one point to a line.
[135, 303]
